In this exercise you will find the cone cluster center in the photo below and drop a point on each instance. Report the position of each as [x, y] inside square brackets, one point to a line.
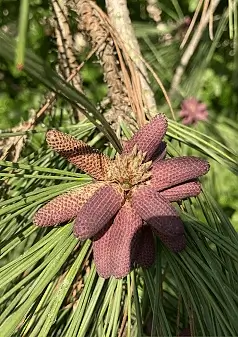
[129, 170]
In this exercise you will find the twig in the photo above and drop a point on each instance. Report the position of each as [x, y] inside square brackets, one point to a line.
[64, 39]
[190, 28]
[211, 21]
[190, 50]
[121, 43]
[120, 20]
[96, 30]
[129, 74]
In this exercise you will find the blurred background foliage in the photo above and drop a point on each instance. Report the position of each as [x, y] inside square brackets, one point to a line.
[210, 74]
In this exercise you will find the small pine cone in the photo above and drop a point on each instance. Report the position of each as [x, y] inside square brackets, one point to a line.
[148, 137]
[157, 211]
[98, 211]
[183, 191]
[113, 251]
[64, 207]
[79, 153]
[174, 171]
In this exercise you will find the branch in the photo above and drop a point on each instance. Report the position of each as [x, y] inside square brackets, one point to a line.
[191, 49]
[64, 39]
[120, 19]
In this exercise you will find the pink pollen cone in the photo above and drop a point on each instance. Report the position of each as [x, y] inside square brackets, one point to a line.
[97, 212]
[149, 137]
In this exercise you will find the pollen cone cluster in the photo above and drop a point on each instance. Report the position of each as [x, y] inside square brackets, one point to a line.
[193, 111]
[130, 199]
